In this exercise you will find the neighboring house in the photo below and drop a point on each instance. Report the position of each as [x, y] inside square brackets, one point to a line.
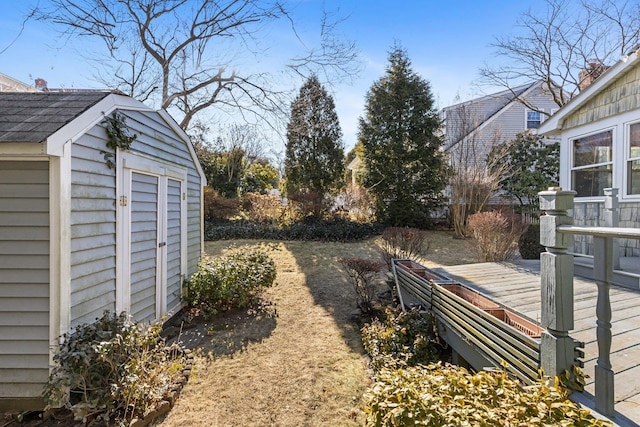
[492, 119]
[78, 237]
[472, 128]
[9, 84]
[599, 133]
[355, 167]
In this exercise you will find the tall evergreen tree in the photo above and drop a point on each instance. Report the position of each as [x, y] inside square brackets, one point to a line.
[404, 166]
[314, 155]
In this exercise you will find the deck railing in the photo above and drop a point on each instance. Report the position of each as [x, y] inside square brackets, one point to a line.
[556, 271]
[604, 212]
[500, 335]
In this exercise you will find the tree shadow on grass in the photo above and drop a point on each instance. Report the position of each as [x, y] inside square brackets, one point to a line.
[329, 284]
[228, 333]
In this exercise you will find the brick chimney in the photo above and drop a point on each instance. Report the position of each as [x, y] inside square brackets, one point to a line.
[41, 84]
[591, 72]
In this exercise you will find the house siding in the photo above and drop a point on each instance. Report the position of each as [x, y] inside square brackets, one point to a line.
[591, 214]
[24, 278]
[496, 122]
[621, 96]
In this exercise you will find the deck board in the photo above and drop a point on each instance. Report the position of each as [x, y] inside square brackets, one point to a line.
[517, 285]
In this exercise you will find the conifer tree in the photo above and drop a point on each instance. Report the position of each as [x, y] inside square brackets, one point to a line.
[314, 155]
[404, 166]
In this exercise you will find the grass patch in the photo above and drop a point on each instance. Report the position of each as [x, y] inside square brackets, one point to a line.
[300, 361]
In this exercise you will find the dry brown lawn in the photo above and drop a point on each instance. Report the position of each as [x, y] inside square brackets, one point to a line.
[297, 362]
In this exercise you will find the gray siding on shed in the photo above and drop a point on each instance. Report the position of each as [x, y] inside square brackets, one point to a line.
[24, 278]
[94, 210]
[93, 229]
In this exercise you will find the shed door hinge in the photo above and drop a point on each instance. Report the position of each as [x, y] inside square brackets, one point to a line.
[123, 200]
[184, 196]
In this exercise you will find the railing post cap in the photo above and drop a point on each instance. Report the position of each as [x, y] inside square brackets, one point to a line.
[554, 199]
[556, 191]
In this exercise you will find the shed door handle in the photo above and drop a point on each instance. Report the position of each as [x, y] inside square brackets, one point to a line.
[162, 244]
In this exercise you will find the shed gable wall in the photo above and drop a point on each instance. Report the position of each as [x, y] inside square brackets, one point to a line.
[94, 211]
[158, 140]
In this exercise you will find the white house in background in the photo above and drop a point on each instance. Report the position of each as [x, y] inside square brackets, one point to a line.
[599, 132]
[472, 128]
[78, 237]
[496, 118]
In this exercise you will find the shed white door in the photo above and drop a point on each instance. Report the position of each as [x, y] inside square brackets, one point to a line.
[152, 244]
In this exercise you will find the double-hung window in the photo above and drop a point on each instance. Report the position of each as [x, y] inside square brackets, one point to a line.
[591, 171]
[633, 160]
[533, 119]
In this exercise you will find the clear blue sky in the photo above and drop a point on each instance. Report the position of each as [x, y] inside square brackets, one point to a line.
[447, 42]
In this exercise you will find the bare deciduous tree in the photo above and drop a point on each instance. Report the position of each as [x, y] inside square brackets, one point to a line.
[473, 178]
[181, 53]
[570, 36]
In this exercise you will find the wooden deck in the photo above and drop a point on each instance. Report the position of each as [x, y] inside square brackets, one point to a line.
[517, 285]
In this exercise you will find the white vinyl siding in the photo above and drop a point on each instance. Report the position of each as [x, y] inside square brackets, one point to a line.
[24, 278]
[144, 244]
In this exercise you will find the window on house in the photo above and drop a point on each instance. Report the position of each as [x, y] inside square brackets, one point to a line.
[592, 167]
[633, 160]
[533, 119]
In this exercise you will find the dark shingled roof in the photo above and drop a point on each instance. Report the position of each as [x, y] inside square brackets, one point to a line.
[34, 116]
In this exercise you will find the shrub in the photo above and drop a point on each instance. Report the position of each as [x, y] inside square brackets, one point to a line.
[263, 208]
[403, 242]
[401, 339]
[529, 243]
[445, 395]
[112, 369]
[307, 203]
[496, 235]
[363, 273]
[359, 203]
[235, 280]
[334, 230]
[217, 207]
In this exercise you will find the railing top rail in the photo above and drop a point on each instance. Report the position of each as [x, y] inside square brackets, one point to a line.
[618, 232]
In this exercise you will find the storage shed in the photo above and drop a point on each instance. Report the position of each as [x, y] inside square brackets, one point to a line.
[84, 228]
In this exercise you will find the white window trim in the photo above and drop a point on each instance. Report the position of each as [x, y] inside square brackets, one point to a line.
[612, 162]
[526, 118]
[626, 158]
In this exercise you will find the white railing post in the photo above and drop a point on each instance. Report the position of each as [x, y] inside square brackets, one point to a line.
[556, 276]
[602, 272]
[611, 219]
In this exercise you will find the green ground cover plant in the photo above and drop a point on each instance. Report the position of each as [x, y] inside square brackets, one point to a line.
[112, 370]
[440, 394]
[401, 338]
[327, 230]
